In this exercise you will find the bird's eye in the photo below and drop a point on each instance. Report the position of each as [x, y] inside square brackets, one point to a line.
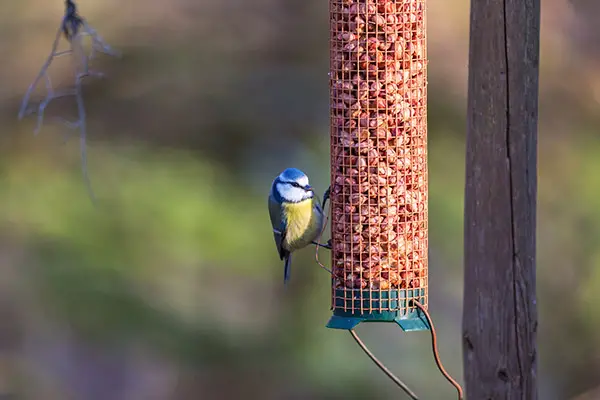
[295, 184]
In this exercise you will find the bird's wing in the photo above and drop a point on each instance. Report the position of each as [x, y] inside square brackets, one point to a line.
[318, 206]
[317, 203]
[279, 225]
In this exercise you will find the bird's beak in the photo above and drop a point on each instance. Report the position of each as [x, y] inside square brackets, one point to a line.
[308, 188]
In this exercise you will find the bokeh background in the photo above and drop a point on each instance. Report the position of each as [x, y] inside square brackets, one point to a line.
[172, 288]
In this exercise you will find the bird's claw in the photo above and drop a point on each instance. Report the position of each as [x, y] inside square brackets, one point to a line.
[325, 246]
[326, 196]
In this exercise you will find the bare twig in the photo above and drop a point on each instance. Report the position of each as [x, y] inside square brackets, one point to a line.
[74, 27]
[42, 74]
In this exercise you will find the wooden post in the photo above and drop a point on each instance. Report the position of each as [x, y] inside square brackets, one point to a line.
[500, 313]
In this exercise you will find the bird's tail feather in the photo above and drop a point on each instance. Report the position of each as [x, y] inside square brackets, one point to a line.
[287, 268]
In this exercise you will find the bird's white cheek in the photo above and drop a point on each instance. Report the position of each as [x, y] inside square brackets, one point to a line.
[290, 193]
[280, 188]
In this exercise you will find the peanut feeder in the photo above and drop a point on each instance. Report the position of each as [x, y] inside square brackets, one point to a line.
[378, 90]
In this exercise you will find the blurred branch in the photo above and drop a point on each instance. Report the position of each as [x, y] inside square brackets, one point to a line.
[74, 27]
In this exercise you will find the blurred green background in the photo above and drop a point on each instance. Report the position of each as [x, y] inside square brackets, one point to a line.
[172, 289]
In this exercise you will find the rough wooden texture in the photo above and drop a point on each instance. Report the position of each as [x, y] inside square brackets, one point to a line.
[500, 313]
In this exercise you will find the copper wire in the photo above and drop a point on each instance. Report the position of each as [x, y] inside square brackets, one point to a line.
[436, 353]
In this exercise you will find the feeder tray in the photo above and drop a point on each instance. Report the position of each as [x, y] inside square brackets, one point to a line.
[389, 306]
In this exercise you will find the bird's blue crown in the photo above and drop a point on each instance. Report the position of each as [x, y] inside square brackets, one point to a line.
[292, 175]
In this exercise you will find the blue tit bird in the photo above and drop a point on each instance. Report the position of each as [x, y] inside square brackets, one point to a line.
[296, 215]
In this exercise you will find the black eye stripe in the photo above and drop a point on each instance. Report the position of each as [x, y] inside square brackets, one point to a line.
[292, 183]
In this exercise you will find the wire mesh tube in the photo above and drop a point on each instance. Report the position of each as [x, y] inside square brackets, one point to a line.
[378, 90]
[378, 93]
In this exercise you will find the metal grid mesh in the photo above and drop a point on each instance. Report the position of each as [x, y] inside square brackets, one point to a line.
[378, 79]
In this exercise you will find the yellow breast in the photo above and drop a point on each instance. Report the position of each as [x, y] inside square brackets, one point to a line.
[302, 224]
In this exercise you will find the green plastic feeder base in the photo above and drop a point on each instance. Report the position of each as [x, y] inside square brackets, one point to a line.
[347, 315]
